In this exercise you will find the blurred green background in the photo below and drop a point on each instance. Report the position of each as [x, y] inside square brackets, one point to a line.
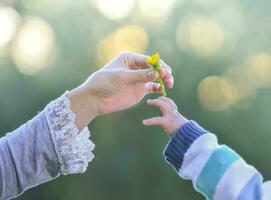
[220, 53]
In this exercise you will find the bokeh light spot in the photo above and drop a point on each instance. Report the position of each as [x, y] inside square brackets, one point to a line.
[33, 47]
[259, 66]
[216, 93]
[9, 20]
[202, 36]
[129, 38]
[156, 9]
[116, 9]
[243, 81]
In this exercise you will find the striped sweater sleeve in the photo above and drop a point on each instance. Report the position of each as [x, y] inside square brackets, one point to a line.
[217, 172]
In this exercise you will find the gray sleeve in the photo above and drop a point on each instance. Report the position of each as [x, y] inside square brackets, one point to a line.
[43, 148]
[27, 157]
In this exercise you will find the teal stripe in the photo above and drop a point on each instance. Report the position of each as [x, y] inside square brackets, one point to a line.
[214, 169]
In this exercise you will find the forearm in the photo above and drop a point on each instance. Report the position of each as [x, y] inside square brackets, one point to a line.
[43, 148]
[215, 170]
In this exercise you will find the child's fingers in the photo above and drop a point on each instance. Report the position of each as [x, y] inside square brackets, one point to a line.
[153, 88]
[160, 104]
[169, 102]
[154, 121]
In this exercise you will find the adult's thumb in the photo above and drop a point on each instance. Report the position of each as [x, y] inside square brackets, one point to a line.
[142, 75]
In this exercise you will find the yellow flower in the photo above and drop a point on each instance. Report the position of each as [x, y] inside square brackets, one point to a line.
[154, 59]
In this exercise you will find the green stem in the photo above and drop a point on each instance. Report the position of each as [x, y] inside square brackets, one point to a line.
[162, 86]
[157, 67]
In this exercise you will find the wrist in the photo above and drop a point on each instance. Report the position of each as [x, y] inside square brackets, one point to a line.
[181, 141]
[178, 123]
[84, 106]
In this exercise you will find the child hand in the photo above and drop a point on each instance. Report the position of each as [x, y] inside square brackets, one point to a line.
[171, 119]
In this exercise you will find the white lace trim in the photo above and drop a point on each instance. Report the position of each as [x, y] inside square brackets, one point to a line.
[74, 151]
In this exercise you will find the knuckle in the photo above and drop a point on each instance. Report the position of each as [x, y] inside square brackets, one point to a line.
[126, 58]
[124, 54]
[166, 67]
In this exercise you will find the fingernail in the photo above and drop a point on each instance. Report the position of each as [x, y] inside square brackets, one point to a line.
[156, 75]
[151, 75]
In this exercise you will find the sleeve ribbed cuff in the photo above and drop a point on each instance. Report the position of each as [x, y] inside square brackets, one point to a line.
[180, 143]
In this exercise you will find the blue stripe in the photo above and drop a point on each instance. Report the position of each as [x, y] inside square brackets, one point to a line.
[253, 189]
[214, 169]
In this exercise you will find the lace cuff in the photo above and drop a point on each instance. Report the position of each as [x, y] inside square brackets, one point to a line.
[73, 150]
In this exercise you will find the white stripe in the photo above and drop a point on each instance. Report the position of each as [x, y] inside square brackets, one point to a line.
[267, 190]
[234, 180]
[197, 155]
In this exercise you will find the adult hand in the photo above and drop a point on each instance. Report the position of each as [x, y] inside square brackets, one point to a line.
[118, 85]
